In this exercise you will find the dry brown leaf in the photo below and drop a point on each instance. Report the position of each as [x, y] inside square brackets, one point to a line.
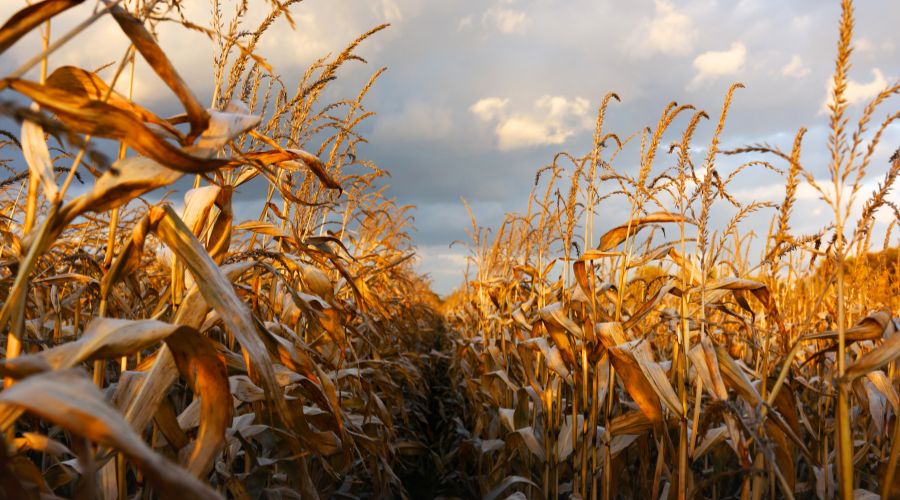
[616, 236]
[888, 351]
[89, 86]
[68, 398]
[219, 294]
[630, 423]
[29, 18]
[156, 58]
[37, 156]
[641, 390]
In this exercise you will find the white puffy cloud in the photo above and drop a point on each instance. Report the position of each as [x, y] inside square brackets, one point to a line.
[668, 32]
[418, 121]
[506, 20]
[856, 91]
[489, 108]
[795, 68]
[552, 120]
[714, 64]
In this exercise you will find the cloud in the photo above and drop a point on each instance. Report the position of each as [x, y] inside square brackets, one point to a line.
[489, 108]
[668, 32]
[391, 11]
[809, 201]
[713, 64]
[856, 91]
[444, 265]
[867, 47]
[552, 120]
[795, 68]
[418, 121]
[465, 23]
[507, 21]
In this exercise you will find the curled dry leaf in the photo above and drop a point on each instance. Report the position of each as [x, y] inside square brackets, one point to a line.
[103, 338]
[69, 399]
[644, 379]
[878, 325]
[880, 356]
[90, 87]
[159, 62]
[87, 116]
[196, 359]
[505, 484]
[29, 18]
[616, 236]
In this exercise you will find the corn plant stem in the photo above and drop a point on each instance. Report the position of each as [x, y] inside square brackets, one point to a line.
[888, 484]
[843, 435]
[17, 330]
[121, 463]
[681, 361]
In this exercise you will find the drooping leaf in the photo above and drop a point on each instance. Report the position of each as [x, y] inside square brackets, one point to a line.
[68, 398]
[29, 18]
[616, 236]
[159, 62]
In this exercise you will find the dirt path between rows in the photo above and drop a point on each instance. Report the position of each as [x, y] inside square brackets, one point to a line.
[437, 475]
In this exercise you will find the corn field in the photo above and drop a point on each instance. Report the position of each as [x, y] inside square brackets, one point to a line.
[190, 352]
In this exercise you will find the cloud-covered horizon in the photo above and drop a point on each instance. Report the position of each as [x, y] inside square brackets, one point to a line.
[479, 94]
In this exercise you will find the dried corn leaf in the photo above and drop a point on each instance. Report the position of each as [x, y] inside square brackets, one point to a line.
[644, 379]
[89, 86]
[156, 58]
[219, 294]
[610, 333]
[317, 282]
[87, 116]
[68, 398]
[30, 17]
[41, 443]
[877, 403]
[552, 356]
[127, 179]
[888, 351]
[883, 384]
[199, 364]
[194, 356]
[567, 439]
[877, 325]
[703, 359]
[531, 442]
[224, 126]
[630, 423]
[37, 156]
[736, 378]
[103, 338]
[712, 438]
[505, 484]
[616, 236]
[260, 227]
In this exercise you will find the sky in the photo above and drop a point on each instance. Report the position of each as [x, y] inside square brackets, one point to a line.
[479, 94]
